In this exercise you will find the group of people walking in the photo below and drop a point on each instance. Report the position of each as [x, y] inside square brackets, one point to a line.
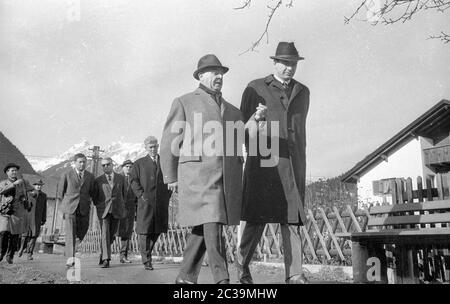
[138, 193]
[23, 210]
[213, 190]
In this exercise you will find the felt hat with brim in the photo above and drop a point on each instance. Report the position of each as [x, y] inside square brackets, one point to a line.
[10, 165]
[39, 182]
[287, 51]
[127, 162]
[207, 62]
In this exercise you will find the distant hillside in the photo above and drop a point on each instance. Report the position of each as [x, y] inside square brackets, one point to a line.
[10, 153]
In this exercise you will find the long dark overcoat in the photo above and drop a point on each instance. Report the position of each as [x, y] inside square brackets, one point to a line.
[126, 224]
[276, 194]
[209, 186]
[38, 213]
[153, 196]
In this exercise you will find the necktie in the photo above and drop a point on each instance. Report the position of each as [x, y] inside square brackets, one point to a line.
[109, 177]
[80, 176]
[128, 180]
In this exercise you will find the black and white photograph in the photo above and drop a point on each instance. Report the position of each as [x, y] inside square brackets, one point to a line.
[242, 142]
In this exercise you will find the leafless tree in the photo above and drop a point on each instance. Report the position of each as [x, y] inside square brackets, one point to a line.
[377, 11]
[399, 11]
[272, 10]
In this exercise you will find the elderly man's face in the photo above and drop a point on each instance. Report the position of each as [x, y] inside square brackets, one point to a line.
[80, 163]
[285, 69]
[152, 148]
[212, 79]
[12, 173]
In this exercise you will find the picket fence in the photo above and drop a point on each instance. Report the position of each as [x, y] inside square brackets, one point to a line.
[321, 238]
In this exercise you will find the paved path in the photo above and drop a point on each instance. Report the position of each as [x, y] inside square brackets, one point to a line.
[164, 272]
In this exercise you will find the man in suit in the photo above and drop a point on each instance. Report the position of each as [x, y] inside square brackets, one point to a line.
[126, 224]
[76, 189]
[110, 190]
[36, 217]
[153, 200]
[208, 181]
[276, 193]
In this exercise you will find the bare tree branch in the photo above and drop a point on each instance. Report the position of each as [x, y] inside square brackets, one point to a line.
[444, 37]
[244, 5]
[266, 29]
[390, 12]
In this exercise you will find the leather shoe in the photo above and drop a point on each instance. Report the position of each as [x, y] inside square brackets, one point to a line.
[105, 264]
[226, 281]
[124, 260]
[100, 261]
[243, 273]
[20, 253]
[180, 280]
[9, 260]
[29, 258]
[148, 266]
[297, 279]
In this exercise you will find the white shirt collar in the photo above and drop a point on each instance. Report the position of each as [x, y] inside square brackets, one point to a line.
[281, 80]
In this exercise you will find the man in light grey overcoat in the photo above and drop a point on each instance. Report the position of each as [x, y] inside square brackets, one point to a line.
[209, 184]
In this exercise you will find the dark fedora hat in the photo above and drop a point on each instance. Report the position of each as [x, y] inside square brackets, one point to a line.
[39, 182]
[127, 162]
[207, 62]
[287, 51]
[10, 165]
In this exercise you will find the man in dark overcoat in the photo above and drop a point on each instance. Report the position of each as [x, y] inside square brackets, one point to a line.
[153, 200]
[76, 190]
[126, 224]
[209, 183]
[36, 218]
[109, 201]
[276, 193]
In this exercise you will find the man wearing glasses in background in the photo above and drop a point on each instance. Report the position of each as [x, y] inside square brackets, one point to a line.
[153, 200]
[110, 191]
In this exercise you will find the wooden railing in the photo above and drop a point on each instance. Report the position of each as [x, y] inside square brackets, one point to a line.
[321, 237]
[438, 158]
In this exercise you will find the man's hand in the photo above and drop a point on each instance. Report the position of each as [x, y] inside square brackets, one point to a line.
[18, 182]
[261, 111]
[173, 186]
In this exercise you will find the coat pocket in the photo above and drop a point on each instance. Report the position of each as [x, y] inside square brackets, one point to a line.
[190, 158]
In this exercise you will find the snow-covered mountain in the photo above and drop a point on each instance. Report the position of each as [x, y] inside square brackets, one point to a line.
[119, 151]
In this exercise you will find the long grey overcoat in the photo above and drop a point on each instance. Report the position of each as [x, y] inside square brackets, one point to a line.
[209, 186]
[276, 194]
[15, 223]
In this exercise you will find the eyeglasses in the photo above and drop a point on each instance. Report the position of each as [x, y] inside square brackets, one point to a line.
[104, 165]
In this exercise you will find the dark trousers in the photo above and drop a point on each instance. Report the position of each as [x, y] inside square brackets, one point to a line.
[205, 238]
[108, 227]
[146, 244]
[28, 244]
[8, 244]
[76, 226]
[124, 246]
[292, 247]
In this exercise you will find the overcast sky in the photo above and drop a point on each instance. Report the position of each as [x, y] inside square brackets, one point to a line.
[112, 74]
